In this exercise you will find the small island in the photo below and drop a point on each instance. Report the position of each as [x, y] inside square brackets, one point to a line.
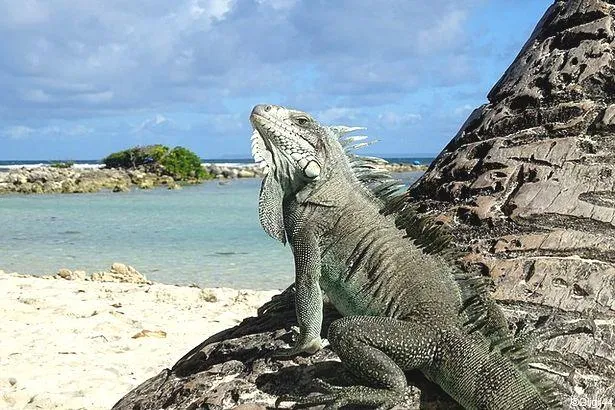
[140, 167]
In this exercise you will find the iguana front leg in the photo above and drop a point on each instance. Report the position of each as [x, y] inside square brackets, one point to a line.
[308, 295]
[279, 303]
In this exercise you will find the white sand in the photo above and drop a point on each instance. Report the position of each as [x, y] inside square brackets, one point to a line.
[68, 344]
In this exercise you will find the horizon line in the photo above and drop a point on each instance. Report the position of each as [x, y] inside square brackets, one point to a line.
[225, 157]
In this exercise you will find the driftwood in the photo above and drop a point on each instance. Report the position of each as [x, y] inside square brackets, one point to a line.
[528, 187]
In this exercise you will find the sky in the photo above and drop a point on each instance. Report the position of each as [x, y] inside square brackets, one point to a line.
[82, 78]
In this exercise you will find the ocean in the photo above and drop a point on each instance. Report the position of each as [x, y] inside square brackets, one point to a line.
[6, 165]
[205, 234]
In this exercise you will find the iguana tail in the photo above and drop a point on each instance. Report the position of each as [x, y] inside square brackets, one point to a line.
[480, 377]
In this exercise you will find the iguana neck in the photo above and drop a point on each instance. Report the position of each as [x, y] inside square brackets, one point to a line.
[336, 188]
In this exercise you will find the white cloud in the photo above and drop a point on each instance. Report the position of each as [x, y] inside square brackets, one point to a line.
[107, 63]
[444, 33]
[279, 4]
[338, 115]
[393, 120]
[159, 124]
[17, 132]
[212, 9]
[147, 53]
[35, 95]
[78, 130]
[23, 13]
[22, 132]
[463, 110]
[225, 124]
[96, 97]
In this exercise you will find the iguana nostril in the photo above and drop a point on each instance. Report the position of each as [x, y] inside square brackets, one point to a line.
[267, 108]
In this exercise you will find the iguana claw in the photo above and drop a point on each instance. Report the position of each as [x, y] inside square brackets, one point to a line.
[303, 402]
[309, 347]
[326, 386]
[285, 397]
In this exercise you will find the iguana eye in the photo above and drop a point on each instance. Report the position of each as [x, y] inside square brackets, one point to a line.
[301, 120]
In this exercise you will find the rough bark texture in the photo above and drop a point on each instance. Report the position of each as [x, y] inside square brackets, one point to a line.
[529, 184]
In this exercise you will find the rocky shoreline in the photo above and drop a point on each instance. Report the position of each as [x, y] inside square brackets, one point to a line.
[118, 272]
[50, 180]
[254, 171]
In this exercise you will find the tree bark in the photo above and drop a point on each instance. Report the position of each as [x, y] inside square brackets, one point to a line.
[529, 183]
[528, 188]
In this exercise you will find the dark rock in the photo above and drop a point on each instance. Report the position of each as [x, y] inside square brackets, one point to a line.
[235, 368]
[121, 188]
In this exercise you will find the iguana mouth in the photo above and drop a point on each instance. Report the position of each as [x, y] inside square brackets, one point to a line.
[262, 156]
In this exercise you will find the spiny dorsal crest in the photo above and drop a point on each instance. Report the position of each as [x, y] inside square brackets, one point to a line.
[425, 231]
[369, 171]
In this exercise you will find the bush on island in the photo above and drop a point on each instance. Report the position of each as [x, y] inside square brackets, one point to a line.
[183, 164]
[136, 157]
[179, 162]
[62, 164]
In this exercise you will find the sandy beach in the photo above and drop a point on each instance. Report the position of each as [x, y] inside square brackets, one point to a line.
[82, 344]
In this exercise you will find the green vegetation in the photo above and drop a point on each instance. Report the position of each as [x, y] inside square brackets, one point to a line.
[62, 164]
[183, 164]
[179, 163]
[136, 157]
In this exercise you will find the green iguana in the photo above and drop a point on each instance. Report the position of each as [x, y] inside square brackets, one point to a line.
[404, 307]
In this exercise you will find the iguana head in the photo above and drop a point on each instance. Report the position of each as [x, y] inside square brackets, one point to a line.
[299, 155]
[310, 162]
[291, 143]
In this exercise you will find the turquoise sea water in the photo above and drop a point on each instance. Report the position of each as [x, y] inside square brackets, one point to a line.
[206, 234]
[11, 163]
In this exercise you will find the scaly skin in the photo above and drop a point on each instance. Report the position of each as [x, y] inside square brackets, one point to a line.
[401, 305]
